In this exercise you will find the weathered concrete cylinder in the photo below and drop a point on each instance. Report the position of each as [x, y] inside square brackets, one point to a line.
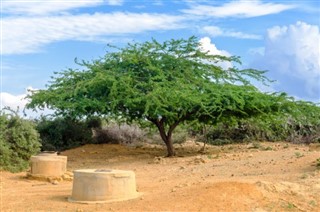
[101, 186]
[48, 165]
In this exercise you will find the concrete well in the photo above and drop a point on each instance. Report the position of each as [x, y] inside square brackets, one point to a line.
[48, 153]
[103, 185]
[48, 165]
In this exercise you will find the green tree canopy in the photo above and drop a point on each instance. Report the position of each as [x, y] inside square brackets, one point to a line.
[165, 83]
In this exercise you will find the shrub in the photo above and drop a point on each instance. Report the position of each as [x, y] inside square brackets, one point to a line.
[18, 142]
[119, 133]
[297, 122]
[59, 134]
[94, 122]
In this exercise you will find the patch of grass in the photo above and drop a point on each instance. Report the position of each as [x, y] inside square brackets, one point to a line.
[268, 148]
[290, 205]
[304, 176]
[256, 145]
[313, 203]
[298, 154]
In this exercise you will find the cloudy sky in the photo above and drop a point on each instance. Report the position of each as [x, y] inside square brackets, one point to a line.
[39, 38]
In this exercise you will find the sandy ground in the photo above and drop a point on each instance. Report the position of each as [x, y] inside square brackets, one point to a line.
[273, 177]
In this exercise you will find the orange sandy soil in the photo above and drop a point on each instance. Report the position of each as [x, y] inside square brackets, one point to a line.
[274, 177]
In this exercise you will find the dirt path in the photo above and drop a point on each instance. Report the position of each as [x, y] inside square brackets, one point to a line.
[274, 177]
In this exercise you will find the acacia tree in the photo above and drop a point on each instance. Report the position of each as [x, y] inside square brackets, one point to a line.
[165, 83]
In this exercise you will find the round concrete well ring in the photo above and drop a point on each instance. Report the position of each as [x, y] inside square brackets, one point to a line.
[48, 165]
[103, 186]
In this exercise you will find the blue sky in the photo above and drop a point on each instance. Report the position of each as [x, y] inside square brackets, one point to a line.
[42, 37]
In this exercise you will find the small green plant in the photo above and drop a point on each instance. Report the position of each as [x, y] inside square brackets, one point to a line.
[304, 176]
[268, 148]
[313, 203]
[298, 154]
[290, 205]
[256, 145]
[318, 163]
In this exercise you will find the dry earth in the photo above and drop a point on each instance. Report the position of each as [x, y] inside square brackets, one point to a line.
[273, 177]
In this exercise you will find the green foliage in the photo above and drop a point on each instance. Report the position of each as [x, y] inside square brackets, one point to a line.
[18, 142]
[165, 83]
[296, 122]
[63, 133]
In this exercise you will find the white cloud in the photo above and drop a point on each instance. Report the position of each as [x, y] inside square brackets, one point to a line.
[292, 54]
[214, 31]
[242, 8]
[211, 48]
[29, 34]
[13, 101]
[18, 102]
[36, 7]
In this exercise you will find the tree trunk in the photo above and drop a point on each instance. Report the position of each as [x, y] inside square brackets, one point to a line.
[166, 137]
[170, 148]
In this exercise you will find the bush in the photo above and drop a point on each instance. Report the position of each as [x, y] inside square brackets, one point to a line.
[297, 122]
[18, 142]
[116, 133]
[262, 128]
[119, 133]
[60, 133]
[94, 122]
